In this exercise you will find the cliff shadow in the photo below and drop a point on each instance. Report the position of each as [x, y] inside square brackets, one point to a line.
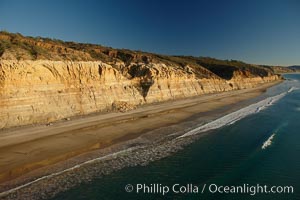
[223, 71]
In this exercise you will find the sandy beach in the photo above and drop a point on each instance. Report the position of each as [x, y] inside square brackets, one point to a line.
[28, 151]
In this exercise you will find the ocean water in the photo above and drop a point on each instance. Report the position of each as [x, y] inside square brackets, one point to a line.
[232, 155]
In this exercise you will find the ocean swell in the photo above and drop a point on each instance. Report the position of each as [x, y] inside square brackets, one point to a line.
[237, 115]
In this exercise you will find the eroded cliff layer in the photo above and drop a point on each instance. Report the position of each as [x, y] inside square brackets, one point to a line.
[44, 91]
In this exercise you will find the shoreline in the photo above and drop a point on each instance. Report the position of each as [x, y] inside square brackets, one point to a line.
[147, 139]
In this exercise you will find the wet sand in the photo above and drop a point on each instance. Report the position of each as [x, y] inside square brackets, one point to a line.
[27, 151]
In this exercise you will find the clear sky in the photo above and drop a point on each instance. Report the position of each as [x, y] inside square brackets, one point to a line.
[255, 31]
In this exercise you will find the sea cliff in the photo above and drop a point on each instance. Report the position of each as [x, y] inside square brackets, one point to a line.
[43, 80]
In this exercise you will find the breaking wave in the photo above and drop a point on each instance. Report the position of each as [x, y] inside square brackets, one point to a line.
[237, 115]
[292, 89]
[268, 142]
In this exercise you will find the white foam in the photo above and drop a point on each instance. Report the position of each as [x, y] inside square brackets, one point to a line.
[236, 116]
[268, 142]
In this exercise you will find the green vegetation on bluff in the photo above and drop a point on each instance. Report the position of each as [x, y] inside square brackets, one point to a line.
[18, 47]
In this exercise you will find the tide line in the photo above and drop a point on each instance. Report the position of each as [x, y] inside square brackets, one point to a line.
[5, 193]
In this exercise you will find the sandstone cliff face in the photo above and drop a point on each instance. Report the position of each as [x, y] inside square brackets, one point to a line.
[38, 85]
[43, 91]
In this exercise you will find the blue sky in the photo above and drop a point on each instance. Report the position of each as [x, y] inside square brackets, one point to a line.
[255, 31]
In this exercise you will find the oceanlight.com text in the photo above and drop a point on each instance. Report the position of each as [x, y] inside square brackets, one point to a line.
[157, 188]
